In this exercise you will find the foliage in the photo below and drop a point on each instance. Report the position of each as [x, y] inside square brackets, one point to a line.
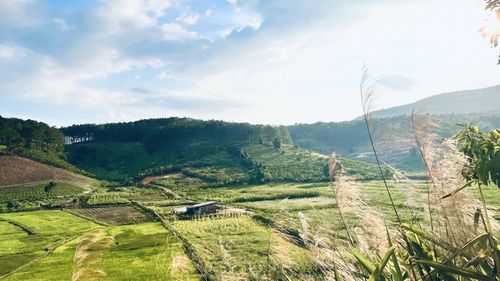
[17, 133]
[483, 154]
[33, 196]
[392, 135]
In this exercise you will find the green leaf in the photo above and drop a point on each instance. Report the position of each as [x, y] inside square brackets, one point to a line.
[427, 236]
[377, 274]
[365, 262]
[455, 270]
[396, 274]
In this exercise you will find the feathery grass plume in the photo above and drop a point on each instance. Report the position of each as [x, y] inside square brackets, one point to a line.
[409, 191]
[370, 234]
[452, 219]
[88, 252]
[326, 253]
[367, 94]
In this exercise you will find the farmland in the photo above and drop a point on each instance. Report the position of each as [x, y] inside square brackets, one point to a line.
[36, 192]
[50, 253]
[112, 214]
[241, 249]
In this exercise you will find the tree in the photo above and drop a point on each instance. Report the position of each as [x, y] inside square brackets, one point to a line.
[48, 188]
[492, 30]
[482, 150]
[277, 143]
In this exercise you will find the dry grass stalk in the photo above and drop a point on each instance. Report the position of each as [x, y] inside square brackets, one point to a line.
[452, 218]
[87, 254]
[370, 234]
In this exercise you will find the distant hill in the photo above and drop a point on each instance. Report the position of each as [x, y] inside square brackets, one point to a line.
[460, 102]
[393, 137]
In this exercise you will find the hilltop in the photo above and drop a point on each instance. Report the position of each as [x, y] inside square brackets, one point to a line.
[459, 102]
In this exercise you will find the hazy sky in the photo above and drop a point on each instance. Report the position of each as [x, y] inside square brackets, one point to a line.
[280, 61]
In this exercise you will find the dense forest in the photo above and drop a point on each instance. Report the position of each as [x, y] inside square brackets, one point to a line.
[17, 133]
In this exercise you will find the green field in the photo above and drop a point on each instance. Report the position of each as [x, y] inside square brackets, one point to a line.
[50, 227]
[65, 246]
[126, 195]
[241, 249]
[121, 243]
[255, 192]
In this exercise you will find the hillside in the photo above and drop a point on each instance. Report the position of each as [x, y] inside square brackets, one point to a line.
[393, 137]
[459, 102]
[155, 146]
[34, 140]
[16, 170]
[219, 153]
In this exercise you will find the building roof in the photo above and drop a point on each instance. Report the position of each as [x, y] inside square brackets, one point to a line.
[201, 204]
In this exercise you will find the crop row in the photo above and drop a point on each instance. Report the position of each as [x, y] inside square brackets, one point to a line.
[38, 192]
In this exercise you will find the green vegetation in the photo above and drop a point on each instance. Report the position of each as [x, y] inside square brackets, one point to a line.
[126, 195]
[393, 137]
[157, 146]
[287, 163]
[241, 249]
[133, 252]
[51, 228]
[34, 140]
[32, 196]
[254, 192]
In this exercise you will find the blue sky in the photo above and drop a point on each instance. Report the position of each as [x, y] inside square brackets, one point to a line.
[274, 62]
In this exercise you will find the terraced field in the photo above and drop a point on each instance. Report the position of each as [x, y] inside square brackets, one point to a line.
[288, 163]
[112, 214]
[126, 195]
[36, 192]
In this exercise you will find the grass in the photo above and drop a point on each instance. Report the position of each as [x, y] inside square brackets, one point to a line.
[292, 204]
[239, 248]
[255, 192]
[132, 252]
[51, 227]
[138, 252]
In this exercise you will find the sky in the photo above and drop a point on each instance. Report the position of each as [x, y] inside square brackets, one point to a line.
[259, 61]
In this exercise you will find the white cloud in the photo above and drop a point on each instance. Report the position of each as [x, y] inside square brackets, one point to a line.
[300, 66]
[20, 13]
[11, 51]
[189, 20]
[175, 31]
[141, 13]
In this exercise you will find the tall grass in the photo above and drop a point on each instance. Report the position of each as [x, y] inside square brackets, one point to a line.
[457, 243]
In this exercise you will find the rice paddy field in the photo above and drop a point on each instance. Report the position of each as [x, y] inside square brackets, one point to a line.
[67, 247]
[122, 242]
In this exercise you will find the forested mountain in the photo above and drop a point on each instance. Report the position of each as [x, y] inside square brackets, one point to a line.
[34, 140]
[393, 136]
[155, 146]
[17, 133]
[460, 102]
